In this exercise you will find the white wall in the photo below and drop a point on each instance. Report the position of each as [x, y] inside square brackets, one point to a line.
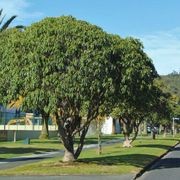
[107, 126]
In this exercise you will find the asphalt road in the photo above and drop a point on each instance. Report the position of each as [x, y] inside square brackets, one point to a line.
[167, 168]
[94, 177]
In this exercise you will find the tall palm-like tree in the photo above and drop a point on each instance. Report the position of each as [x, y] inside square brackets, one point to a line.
[4, 26]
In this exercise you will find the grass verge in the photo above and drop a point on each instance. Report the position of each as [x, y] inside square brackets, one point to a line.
[114, 160]
[37, 146]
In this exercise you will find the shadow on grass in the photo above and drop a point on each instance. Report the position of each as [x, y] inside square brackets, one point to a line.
[25, 159]
[138, 160]
[171, 139]
[45, 141]
[20, 150]
[161, 146]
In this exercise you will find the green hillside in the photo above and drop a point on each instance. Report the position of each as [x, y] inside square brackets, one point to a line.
[172, 81]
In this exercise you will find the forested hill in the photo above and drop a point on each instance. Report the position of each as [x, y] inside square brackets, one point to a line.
[172, 81]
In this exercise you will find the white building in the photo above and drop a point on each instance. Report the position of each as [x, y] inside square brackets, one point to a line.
[111, 126]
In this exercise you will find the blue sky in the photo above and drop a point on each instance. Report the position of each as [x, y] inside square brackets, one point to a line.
[155, 22]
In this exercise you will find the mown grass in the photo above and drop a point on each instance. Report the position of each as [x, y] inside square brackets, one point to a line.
[18, 148]
[15, 149]
[114, 160]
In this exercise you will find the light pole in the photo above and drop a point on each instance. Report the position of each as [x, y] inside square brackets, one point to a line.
[173, 124]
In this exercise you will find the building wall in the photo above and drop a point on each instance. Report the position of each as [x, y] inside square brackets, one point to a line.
[107, 127]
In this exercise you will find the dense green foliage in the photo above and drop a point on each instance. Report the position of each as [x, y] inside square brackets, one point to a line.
[71, 69]
[168, 105]
[171, 85]
[134, 100]
[60, 66]
[172, 81]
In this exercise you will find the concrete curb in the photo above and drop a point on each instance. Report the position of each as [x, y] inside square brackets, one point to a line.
[141, 172]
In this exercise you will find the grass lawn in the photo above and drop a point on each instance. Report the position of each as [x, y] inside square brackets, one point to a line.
[11, 149]
[14, 149]
[114, 160]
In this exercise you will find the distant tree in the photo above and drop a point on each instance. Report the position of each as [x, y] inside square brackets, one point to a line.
[134, 96]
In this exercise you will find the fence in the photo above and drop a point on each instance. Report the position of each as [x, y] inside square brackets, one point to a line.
[5, 117]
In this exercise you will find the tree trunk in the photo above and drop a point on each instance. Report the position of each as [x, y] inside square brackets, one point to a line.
[127, 141]
[145, 128]
[113, 126]
[68, 127]
[81, 143]
[175, 131]
[127, 130]
[68, 156]
[45, 132]
[136, 130]
[165, 131]
[153, 135]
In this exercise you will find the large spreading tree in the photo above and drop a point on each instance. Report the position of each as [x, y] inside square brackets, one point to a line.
[62, 66]
[69, 69]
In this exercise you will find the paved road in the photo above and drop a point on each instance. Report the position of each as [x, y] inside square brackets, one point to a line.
[92, 177]
[168, 168]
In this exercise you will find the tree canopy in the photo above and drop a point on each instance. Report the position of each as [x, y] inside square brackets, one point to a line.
[135, 97]
[70, 69]
[62, 66]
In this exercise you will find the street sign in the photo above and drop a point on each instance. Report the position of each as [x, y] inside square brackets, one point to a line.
[176, 118]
